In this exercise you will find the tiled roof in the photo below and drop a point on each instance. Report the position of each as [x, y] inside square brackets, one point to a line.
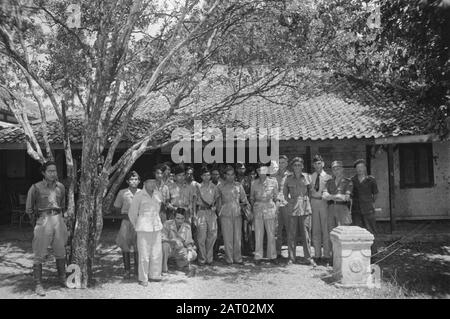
[344, 109]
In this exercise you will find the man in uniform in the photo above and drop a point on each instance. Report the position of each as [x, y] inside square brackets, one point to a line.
[126, 238]
[338, 192]
[181, 195]
[177, 243]
[365, 192]
[247, 240]
[319, 206]
[296, 192]
[283, 217]
[46, 201]
[206, 218]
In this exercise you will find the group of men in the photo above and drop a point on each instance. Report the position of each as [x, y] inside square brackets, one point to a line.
[175, 218]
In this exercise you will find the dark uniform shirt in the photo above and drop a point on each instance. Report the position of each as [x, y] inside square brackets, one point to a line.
[45, 196]
[345, 186]
[363, 195]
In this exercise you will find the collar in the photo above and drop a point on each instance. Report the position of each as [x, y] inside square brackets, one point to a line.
[49, 184]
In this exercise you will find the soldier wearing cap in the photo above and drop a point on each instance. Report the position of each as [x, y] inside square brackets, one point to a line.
[46, 201]
[126, 237]
[177, 243]
[182, 195]
[206, 218]
[283, 214]
[338, 192]
[144, 215]
[296, 191]
[365, 192]
[319, 206]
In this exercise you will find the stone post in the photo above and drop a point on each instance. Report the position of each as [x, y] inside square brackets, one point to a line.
[351, 256]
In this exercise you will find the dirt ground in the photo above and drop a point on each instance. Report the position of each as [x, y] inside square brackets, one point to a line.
[414, 270]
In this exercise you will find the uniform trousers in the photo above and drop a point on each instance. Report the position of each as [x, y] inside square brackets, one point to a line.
[49, 230]
[206, 235]
[150, 255]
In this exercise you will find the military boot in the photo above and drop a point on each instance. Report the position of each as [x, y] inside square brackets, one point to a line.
[61, 267]
[126, 265]
[136, 263]
[37, 275]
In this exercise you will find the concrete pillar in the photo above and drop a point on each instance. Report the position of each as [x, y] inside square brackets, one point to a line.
[351, 256]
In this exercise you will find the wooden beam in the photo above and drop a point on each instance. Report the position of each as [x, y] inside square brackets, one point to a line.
[408, 139]
[390, 158]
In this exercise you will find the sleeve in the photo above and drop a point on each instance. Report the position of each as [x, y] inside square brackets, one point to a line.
[326, 194]
[31, 199]
[62, 203]
[374, 186]
[133, 211]
[119, 200]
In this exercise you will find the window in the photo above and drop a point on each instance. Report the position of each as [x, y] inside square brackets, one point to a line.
[416, 165]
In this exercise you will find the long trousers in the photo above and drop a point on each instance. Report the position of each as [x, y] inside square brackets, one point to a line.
[304, 223]
[269, 226]
[183, 256]
[282, 223]
[368, 222]
[320, 231]
[49, 230]
[338, 215]
[150, 255]
[232, 233]
[206, 235]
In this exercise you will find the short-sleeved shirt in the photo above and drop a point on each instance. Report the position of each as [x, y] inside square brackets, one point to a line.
[345, 186]
[123, 200]
[324, 178]
[263, 195]
[296, 193]
[281, 179]
[183, 234]
[207, 192]
[231, 195]
[181, 196]
[363, 195]
[44, 195]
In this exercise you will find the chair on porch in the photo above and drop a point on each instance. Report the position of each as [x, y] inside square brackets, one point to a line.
[18, 213]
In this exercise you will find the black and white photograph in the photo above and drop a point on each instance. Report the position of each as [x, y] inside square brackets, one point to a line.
[224, 154]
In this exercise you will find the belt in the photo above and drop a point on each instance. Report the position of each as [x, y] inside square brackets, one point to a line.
[52, 212]
[332, 202]
[317, 197]
[203, 207]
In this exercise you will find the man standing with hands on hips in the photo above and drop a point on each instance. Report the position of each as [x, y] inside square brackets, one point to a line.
[46, 201]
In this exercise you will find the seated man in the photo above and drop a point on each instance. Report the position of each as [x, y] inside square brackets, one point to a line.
[177, 243]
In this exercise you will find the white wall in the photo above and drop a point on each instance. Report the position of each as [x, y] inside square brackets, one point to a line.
[415, 203]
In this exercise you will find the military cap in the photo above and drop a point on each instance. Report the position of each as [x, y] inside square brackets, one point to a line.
[337, 163]
[178, 170]
[359, 161]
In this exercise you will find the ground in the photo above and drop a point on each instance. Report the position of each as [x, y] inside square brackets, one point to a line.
[414, 270]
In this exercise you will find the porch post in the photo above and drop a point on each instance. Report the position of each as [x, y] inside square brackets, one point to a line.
[390, 158]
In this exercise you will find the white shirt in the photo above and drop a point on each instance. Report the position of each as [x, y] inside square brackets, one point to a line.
[324, 177]
[144, 211]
